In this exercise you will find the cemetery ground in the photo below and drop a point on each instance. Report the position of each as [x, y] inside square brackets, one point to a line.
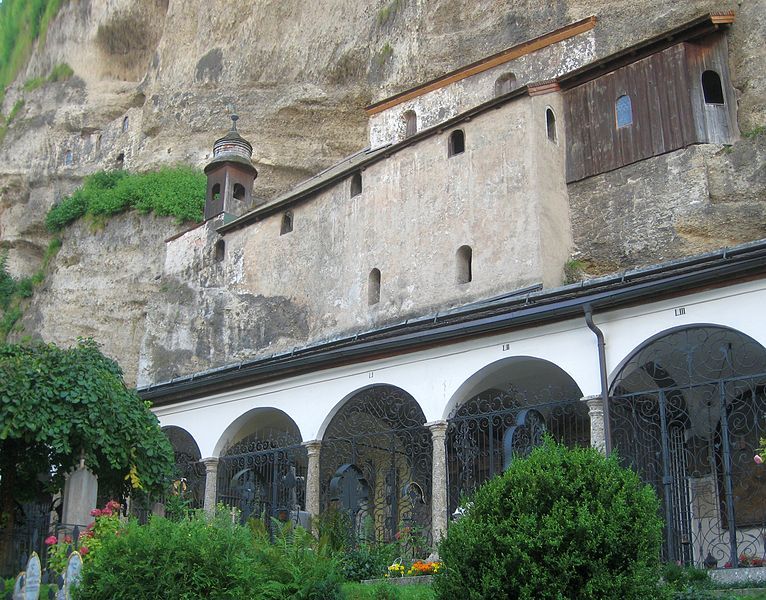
[560, 523]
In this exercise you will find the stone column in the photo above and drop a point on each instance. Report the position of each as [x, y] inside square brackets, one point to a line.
[312, 482]
[596, 413]
[438, 480]
[211, 483]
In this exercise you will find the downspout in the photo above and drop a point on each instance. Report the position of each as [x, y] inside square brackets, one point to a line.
[602, 370]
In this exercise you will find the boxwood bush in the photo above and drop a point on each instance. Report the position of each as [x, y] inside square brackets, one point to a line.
[559, 524]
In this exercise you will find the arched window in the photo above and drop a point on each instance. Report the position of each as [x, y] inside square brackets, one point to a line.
[239, 191]
[464, 268]
[120, 162]
[373, 287]
[220, 251]
[125, 124]
[550, 124]
[287, 223]
[216, 192]
[456, 143]
[411, 123]
[356, 184]
[623, 109]
[711, 88]
[504, 84]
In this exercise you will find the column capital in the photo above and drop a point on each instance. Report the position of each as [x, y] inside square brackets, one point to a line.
[595, 403]
[438, 428]
[211, 463]
[313, 446]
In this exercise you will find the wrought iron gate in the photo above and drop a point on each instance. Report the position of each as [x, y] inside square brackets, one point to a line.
[376, 464]
[687, 413]
[263, 476]
[487, 431]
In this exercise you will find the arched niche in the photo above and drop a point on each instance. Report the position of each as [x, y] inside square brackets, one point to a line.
[687, 412]
[375, 463]
[502, 412]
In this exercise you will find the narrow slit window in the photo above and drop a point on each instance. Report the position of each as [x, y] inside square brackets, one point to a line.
[373, 287]
[712, 88]
[216, 192]
[68, 158]
[287, 223]
[220, 251]
[356, 184]
[504, 84]
[120, 162]
[125, 124]
[456, 143]
[239, 191]
[624, 111]
[464, 266]
[411, 123]
[550, 124]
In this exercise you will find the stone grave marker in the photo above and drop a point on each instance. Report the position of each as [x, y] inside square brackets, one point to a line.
[31, 590]
[73, 573]
[18, 587]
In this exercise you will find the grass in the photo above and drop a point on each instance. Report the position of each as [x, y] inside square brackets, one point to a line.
[387, 591]
[388, 12]
[754, 132]
[61, 72]
[384, 54]
[22, 22]
[175, 192]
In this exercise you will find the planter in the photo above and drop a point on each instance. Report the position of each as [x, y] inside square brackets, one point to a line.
[414, 580]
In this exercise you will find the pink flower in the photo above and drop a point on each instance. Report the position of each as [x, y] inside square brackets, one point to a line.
[113, 505]
[50, 540]
[95, 512]
[84, 550]
[758, 460]
[67, 539]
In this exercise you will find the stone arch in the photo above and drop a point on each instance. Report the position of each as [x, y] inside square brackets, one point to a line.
[375, 463]
[687, 411]
[502, 411]
[262, 467]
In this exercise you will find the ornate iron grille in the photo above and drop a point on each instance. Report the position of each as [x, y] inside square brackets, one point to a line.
[263, 476]
[687, 413]
[487, 431]
[375, 464]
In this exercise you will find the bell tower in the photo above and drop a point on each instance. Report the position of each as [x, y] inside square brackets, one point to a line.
[230, 176]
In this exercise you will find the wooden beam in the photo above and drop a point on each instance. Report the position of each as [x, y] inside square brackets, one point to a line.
[485, 64]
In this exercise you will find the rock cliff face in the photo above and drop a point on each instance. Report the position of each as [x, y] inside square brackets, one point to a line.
[154, 81]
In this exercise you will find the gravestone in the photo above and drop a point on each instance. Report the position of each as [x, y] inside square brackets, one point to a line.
[18, 587]
[34, 573]
[73, 573]
[80, 493]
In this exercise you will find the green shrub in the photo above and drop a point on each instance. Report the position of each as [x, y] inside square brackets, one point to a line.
[201, 558]
[61, 72]
[174, 192]
[559, 524]
[367, 561]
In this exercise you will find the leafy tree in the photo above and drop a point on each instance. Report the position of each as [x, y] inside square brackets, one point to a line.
[57, 405]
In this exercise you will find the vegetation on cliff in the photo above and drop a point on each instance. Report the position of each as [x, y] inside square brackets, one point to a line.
[21, 23]
[171, 192]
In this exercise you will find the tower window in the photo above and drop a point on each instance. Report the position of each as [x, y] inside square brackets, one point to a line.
[373, 287]
[125, 124]
[411, 123]
[456, 143]
[356, 184]
[287, 223]
[623, 109]
[504, 84]
[216, 192]
[120, 162]
[220, 251]
[239, 191]
[712, 88]
[464, 268]
[550, 124]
